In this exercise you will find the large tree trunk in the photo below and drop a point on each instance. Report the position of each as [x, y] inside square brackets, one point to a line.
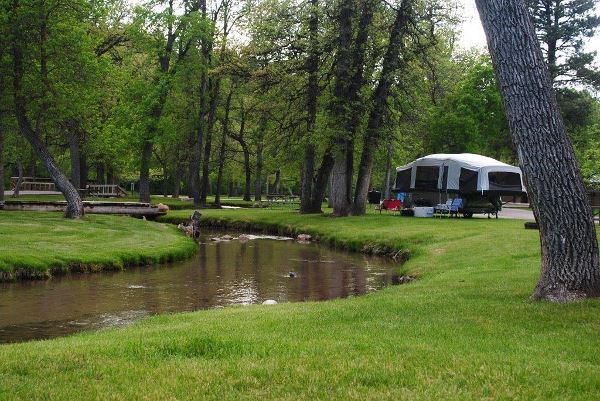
[321, 182]
[225, 133]
[342, 179]
[247, 173]
[110, 176]
[391, 62]
[339, 109]
[100, 175]
[84, 170]
[277, 183]
[387, 192]
[308, 171]
[570, 268]
[19, 182]
[74, 207]
[145, 171]
[346, 107]
[258, 179]
[312, 94]
[212, 115]
[178, 177]
[197, 152]
[246, 152]
[75, 156]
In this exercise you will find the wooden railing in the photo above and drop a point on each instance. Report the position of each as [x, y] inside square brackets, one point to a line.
[38, 186]
[108, 190]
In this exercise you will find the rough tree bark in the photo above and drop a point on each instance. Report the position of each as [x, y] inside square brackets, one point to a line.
[321, 181]
[339, 108]
[346, 107]
[570, 268]
[391, 62]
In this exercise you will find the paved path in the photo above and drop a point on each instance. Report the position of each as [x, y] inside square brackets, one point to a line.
[516, 213]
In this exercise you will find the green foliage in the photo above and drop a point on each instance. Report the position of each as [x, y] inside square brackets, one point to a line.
[562, 27]
[471, 118]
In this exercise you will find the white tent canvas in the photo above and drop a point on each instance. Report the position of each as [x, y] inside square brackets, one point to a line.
[463, 173]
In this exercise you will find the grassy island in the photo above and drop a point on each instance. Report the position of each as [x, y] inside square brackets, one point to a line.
[465, 330]
[37, 245]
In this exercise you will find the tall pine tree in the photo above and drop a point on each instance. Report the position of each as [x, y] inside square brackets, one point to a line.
[562, 27]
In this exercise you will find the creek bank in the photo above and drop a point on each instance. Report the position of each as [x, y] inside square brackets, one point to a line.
[286, 230]
[39, 245]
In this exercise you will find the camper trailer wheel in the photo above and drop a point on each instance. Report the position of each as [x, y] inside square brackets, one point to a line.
[467, 215]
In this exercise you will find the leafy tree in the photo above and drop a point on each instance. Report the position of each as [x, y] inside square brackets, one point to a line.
[471, 118]
[562, 27]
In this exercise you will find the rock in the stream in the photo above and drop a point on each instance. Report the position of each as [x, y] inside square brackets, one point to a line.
[292, 274]
[215, 239]
[270, 302]
[304, 237]
[226, 238]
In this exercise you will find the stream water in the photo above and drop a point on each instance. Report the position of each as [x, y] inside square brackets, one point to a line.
[222, 273]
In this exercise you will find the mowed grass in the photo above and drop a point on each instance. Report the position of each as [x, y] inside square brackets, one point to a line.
[37, 244]
[465, 330]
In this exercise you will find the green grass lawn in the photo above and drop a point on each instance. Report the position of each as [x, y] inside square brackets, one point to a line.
[465, 330]
[36, 244]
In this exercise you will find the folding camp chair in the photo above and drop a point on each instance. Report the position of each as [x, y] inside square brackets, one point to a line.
[455, 207]
[442, 208]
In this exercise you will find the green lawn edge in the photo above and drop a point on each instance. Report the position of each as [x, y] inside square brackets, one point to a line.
[465, 330]
[37, 245]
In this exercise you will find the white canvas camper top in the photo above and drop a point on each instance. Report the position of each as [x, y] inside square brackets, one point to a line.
[463, 173]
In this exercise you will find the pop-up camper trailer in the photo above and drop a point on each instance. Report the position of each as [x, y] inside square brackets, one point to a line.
[474, 178]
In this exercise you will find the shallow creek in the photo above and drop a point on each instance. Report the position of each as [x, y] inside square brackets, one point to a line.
[221, 273]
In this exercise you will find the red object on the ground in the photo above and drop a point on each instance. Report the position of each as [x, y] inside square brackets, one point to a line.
[392, 204]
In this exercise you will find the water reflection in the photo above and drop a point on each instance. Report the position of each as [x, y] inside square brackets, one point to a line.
[222, 273]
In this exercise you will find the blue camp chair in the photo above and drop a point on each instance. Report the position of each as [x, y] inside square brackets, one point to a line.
[455, 206]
